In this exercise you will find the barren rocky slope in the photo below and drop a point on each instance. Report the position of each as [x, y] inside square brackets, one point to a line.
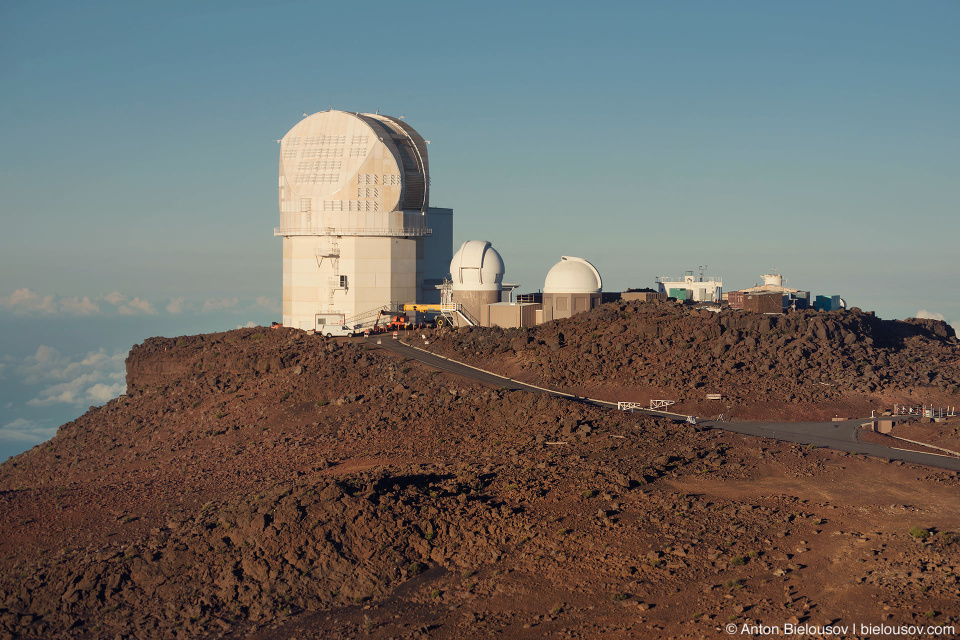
[801, 366]
[270, 484]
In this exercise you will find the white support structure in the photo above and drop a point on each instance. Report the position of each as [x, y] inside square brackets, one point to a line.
[630, 406]
[450, 309]
[924, 411]
[659, 405]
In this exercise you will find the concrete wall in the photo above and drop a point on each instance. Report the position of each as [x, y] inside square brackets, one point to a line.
[642, 296]
[377, 271]
[474, 301]
[564, 305]
[763, 302]
[510, 314]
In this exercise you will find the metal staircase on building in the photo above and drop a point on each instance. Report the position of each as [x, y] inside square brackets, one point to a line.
[330, 250]
[452, 310]
[367, 318]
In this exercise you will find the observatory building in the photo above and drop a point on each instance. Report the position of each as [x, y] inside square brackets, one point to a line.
[571, 286]
[692, 288]
[476, 274]
[358, 230]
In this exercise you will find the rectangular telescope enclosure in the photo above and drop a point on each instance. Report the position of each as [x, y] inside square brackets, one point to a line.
[355, 218]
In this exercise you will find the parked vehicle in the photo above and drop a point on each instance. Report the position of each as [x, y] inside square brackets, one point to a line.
[332, 330]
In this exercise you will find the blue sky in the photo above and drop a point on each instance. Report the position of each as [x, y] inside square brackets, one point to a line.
[138, 155]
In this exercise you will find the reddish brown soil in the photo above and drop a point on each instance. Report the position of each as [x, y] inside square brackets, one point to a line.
[269, 484]
[801, 366]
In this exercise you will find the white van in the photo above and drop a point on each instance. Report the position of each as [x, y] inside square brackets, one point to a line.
[342, 330]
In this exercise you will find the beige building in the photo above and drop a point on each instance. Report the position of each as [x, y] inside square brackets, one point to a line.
[510, 315]
[643, 296]
[358, 232]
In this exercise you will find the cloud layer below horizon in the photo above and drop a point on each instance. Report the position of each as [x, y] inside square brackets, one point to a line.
[26, 302]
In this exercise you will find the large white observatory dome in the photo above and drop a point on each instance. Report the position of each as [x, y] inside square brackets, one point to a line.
[351, 171]
[476, 266]
[573, 275]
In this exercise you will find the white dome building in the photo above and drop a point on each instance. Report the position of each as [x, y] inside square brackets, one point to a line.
[571, 286]
[573, 275]
[476, 266]
[476, 273]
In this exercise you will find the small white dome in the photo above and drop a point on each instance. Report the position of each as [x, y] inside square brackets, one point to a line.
[573, 275]
[476, 266]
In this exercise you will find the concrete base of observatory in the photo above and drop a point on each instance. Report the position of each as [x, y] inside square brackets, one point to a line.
[346, 276]
[341, 277]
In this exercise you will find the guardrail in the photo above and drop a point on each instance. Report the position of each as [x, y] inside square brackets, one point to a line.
[397, 232]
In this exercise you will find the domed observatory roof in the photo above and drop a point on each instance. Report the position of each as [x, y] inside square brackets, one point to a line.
[476, 266]
[350, 170]
[573, 275]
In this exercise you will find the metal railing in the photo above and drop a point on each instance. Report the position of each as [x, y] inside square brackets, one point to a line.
[369, 315]
[924, 411]
[396, 232]
[449, 308]
[659, 405]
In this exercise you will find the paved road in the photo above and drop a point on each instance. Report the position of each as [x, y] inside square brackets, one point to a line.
[841, 436]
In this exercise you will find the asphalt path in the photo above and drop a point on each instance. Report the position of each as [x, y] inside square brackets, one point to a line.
[841, 436]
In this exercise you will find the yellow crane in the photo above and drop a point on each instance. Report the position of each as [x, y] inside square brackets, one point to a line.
[422, 308]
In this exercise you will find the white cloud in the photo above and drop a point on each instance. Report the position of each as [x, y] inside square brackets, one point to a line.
[137, 307]
[930, 315]
[127, 307]
[23, 430]
[28, 302]
[250, 325]
[177, 305]
[24, 301]
[79, 306]
[45, 364]
[116, 298]
[263, 302]
[220, 304]
[101, 393]
[92, 378]
[85, 389]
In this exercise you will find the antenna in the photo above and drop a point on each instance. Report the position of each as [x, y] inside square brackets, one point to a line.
[703, 268]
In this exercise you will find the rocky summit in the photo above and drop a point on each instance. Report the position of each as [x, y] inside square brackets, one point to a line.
[271, 484]
[803, 365]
